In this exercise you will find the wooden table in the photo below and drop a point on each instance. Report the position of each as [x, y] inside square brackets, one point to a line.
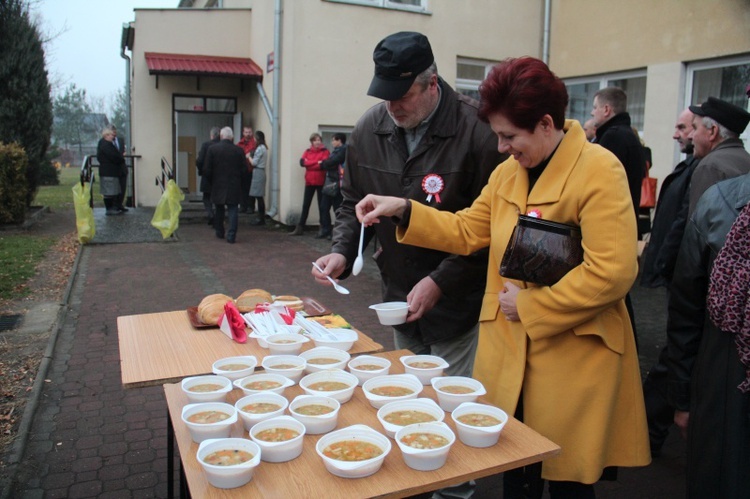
[164, 348]
[306, 476]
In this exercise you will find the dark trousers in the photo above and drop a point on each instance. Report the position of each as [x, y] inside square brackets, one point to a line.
[631, 314]
[247, 179]
[659, 412]
[231, 210]
[208, 206]
[326, 203]
[261, 205]
[310, 191]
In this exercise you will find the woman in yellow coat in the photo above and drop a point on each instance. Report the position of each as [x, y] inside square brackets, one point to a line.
[565, 353]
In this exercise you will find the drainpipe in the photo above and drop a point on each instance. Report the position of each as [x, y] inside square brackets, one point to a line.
[123, 44]
[274, 112]
[545, 39]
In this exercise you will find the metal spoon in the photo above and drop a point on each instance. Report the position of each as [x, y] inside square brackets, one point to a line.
[338, 287]
[359, 262]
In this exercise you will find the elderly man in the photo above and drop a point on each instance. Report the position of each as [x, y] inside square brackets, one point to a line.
[205, 187]
[716, 128]
[658, 267]
[225, 163]
[589, 128]
[424, 142]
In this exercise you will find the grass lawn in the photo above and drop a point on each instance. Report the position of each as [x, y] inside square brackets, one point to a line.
[60, 197]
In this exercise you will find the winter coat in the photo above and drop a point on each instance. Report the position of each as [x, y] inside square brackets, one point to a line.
[258, 185]
[225, 164]
[200, 163]
[704, 366]
[462, 151]
[670, 218]
[314, 174]
[617, 136]
[729, 159]
[572, 354]
[334, 162]
[111, 161]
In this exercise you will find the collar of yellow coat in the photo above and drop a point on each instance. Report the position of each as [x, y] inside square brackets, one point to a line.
[549, 187]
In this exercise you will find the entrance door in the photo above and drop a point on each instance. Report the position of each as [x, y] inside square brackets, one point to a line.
[187, 152]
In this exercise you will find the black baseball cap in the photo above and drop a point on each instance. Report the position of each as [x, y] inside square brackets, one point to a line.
[399, 58]
[732, 117]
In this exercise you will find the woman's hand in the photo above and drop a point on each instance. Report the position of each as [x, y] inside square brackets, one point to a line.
[371, 207]
[508, 297]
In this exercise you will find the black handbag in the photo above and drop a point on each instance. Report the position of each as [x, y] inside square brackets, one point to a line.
[331, 187]
[541, 251]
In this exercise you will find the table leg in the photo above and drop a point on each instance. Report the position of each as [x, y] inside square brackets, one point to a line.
[170, 457]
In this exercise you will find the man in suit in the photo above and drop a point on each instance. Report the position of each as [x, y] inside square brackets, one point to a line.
[200, 163]
[120, 146]
[225, 163]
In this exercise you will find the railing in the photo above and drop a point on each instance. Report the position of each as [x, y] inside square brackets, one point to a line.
[167, 173]
[87, 175]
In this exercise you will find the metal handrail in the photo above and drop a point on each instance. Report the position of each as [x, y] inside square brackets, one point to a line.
[167, 173]
[87, 175]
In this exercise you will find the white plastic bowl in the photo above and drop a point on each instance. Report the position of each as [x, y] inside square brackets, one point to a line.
[425, 459]
[400, 380]
[315, 425]
[342, 396]
[365, 374]
[449, 401]
[344, 340]
[354, 469]
[391, 313]
[219, 367]
[203, 431]
[279, 452]
[286, 343]
[295, 374]
[476, 436]
[341, 356]
[229, 477]
[250, 419]
[283, 380]
[219, 395]
[421, 404]
[425, 375]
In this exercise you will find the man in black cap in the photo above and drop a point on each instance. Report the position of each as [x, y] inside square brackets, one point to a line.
[717, 126]
[424, 142]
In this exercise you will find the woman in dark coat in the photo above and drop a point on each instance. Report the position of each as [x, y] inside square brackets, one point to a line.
[111, 168]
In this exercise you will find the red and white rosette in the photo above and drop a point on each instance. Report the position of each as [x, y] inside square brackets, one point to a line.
[433, 185]
[534, 213]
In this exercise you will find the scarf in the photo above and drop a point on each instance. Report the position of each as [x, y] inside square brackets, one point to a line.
[729, 290]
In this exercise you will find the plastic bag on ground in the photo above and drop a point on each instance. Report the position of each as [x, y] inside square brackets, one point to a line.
[84, 212]
[167, 214]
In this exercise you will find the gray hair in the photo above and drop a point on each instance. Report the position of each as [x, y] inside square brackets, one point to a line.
[724, 132]
[214, 132]
[226, 133]
[424, 77]
[107, 129]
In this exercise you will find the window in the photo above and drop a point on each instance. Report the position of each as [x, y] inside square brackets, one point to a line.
[205, 104]
[581, 95]
[327, 133]
[411, 5]
[469, 75]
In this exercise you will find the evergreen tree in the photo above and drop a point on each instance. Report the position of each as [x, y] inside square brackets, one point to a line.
[70, 110]
[25, 103]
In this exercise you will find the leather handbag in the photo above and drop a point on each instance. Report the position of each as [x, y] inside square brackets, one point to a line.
[331, 187]
[541, 251]
[648, 192]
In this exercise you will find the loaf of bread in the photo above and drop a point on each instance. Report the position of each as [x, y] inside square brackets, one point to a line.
[291, 302]
[247, 301]
[211, 307]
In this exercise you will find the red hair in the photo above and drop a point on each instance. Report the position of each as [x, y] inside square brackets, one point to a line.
[523, 90]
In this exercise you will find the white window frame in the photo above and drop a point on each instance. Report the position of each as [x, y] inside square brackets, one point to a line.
[605, 79]
[692, 67]
[388, 4]
[471, 84]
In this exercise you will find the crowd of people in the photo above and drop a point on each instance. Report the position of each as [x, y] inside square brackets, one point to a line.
[441, 180]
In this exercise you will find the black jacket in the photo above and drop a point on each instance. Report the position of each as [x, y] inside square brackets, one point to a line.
[670, 218]
[331, 165]
[225, 163]
[200, 163]
[111, 161]
[704, 366]
[462, 151]
[617, 136]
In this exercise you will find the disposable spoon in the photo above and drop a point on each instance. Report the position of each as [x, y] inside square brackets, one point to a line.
[359, 262]
[338, 287]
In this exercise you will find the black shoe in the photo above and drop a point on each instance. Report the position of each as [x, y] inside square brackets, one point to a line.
[231, 241]
[323, 235]
[122, 209]
[220, 235]
[113, 211]
[260, 221]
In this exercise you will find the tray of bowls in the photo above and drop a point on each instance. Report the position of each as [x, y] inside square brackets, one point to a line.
[312, 398]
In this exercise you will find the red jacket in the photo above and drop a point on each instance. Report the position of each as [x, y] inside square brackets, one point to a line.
[314, 174]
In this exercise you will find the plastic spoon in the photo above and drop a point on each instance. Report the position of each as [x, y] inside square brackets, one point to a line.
[359, 262]
[338, 287]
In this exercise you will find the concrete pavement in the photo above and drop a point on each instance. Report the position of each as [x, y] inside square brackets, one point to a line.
[89, 437]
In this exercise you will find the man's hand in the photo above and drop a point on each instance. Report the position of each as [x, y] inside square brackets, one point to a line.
[333, 264]
[422, 298]
[681, 419]
[508, 297]
[371, 207]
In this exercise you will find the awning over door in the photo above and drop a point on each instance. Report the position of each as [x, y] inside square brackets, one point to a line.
[202, 65]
